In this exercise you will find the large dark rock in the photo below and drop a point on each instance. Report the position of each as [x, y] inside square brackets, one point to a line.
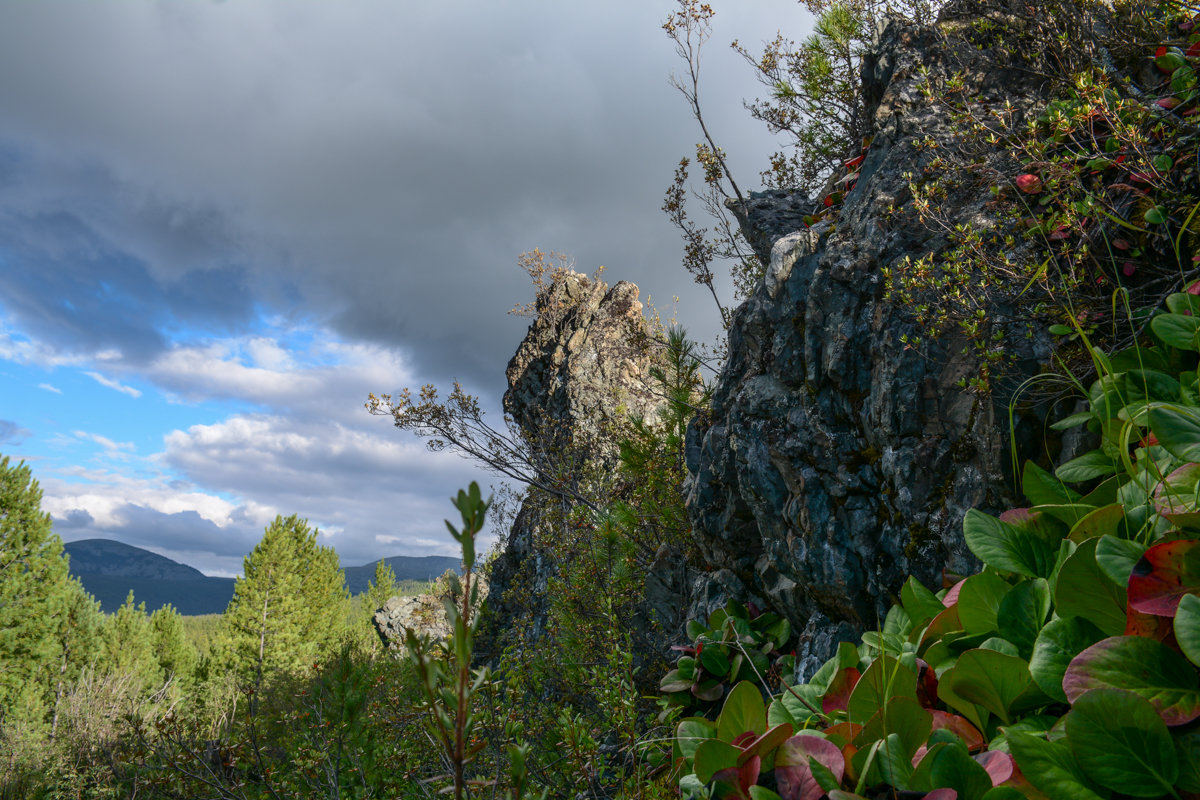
[836, 460]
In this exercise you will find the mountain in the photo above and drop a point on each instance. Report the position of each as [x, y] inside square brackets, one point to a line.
[109, 570]
[407, 568]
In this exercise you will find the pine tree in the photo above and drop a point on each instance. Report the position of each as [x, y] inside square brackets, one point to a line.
[79, 641]
[287, 608]
[128, 650]
[33, 595]
[176, 656]
[379, 591]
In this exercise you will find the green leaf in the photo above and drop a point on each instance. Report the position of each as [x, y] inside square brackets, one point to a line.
[1187, 747]
[763, 793]
[1057, 644]
[715, 662]
[1143, 666]
[1083, 590]
[1073, 421]
[1183, 303]
[1121, 743]
[1177, 427]
[1094, 464]
[1098, 523]
[743, 711]
[979, 600]
[691, 732]
[1187, 627]
[902, 716]
[986, 678]
[1163, 162]
[1042, 488]
[1155, 216]
[921, 604]
[1003, 793]
[1178, 331]
[1116, 557]
[1051, 767]
[787, 707]
[1007, 547]
[884, 679]
[712, 756]
[952, 767]
[1022, 612]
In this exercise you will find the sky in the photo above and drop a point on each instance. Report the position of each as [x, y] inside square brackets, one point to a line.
[223, 224]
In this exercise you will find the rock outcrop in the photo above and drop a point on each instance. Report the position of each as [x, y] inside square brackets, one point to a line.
[837, 460]
[580, 373]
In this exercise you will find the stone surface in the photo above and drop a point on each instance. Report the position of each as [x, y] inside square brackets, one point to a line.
[835, 460]
[580, 373]
[424, 614]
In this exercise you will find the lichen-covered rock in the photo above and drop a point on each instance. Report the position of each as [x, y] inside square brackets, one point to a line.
[422, 614]
[837, 460]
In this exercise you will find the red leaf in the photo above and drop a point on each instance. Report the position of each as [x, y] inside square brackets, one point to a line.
[1163, 575]
[1127, 269]
[944, 793]
[838, 694]
[960, 727]
[927, 685]
[1161, 51]
[1194, 286]
[1121, 244]
[1161, 629]
[1194, 50]
[854, 162]
[1167, 102]
[1029, 184]
[1141, 177]
[999, 766]
[792, 773]
[952, 596]
[828, 201]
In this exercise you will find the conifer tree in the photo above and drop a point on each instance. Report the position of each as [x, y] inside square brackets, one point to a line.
[129, 646]
[287, 608]
[33, 593]
[79, 641]
[379, 591]
[176, 656]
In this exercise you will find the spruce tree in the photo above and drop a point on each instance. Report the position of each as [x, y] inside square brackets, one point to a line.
[33, 595]
[287, 608]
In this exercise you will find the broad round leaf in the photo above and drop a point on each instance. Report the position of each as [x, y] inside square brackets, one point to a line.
[1098, 523]
[979, 601]
[884, 679]
[999, 765]
[1165, 573]
[713, 756]
[1177, 428]
[1022, 612]
[794, 775]
[1187, 747]
[1007, 547]
[1040, 487]
[902, 716]
[1050, 767]
[1083, 590]
[1145, 667]
[1057, 644]
[1095, 464]
[1116, 557]
[1187, 627]
[691, 732]
[986, 678]
[1177, 331]
[743, 711]
[1121, 743]
[953, 768]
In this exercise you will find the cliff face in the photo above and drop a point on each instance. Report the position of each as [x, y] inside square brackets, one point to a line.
[836, 461]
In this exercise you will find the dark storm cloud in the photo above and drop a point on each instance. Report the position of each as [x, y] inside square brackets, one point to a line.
[375, 166]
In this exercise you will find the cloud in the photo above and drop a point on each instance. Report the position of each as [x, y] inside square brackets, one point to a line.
[114, 384]
[12, 433]
[105, 442]
[49, 388]
[343, 162]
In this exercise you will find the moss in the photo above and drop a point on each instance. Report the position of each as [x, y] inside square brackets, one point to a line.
[918, 537]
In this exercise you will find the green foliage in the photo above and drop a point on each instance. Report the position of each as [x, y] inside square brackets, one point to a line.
[286, 611]
[34, 591]
[1070, 660]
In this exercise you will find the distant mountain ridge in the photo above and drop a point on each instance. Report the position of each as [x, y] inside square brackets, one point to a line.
[109, 570]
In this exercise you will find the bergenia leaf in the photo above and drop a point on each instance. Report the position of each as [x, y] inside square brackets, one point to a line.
[1165, 573]
[1142, 666]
